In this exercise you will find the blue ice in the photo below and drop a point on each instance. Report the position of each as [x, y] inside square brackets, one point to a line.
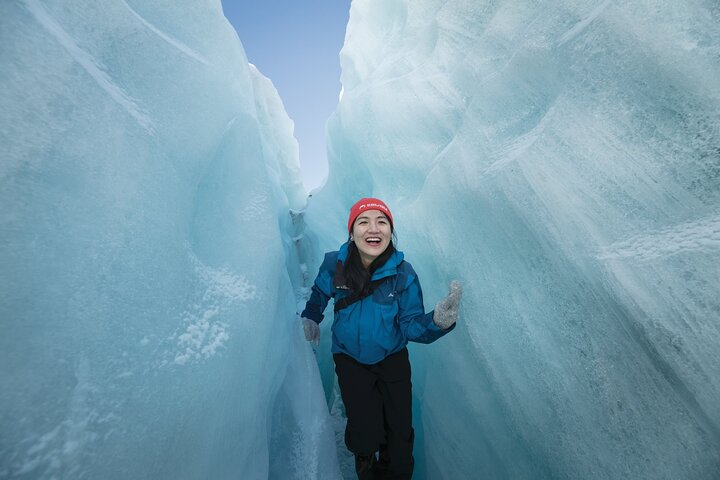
[560, 158]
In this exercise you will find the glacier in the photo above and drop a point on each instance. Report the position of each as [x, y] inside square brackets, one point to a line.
[149, 272]
[561, 159]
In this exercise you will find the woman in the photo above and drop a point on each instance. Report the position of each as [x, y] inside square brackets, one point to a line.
[378, 309]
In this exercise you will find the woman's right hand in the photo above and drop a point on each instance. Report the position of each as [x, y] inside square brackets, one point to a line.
[312, 331]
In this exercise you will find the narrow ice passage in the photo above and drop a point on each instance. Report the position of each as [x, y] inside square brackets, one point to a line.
[156, 244]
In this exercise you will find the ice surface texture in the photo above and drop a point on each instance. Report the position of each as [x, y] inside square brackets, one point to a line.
[562, 160]
[148, 271]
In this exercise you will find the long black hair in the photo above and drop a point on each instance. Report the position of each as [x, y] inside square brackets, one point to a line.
[357, 277]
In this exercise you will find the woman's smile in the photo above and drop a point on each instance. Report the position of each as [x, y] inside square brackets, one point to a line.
[373, 241]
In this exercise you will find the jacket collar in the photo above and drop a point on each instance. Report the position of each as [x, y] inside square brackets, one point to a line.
[388, 269]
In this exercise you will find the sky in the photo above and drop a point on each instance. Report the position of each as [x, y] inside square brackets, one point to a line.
[296, 44]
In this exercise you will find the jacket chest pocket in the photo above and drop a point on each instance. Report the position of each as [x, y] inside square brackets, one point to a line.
[386, 306]
[384, 294]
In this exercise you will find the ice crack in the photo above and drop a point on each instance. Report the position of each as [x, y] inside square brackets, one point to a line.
[91, 65]
[582, 24]
[172, 41]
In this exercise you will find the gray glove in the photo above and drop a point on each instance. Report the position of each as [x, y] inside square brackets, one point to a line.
[312, 331]
[447, 309]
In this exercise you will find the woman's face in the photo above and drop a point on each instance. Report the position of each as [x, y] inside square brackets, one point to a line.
[371, 233]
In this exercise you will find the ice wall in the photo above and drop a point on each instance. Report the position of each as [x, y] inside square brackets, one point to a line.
[147, 267]
[561, 159]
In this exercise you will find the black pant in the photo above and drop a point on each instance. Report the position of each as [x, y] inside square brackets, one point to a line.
[378, 404]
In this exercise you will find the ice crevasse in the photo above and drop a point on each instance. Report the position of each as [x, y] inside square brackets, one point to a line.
[561, 159]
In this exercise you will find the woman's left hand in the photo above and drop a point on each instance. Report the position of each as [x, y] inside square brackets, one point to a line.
[448, 309]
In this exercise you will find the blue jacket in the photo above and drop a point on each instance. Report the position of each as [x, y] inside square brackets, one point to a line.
[378, 325]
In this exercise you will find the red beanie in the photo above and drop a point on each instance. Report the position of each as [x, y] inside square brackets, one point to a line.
[368, 204]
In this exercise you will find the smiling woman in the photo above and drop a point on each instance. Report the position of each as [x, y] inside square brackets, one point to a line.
[378, 310]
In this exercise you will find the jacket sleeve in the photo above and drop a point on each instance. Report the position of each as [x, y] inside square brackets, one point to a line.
[415, 324]
[322, 289]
